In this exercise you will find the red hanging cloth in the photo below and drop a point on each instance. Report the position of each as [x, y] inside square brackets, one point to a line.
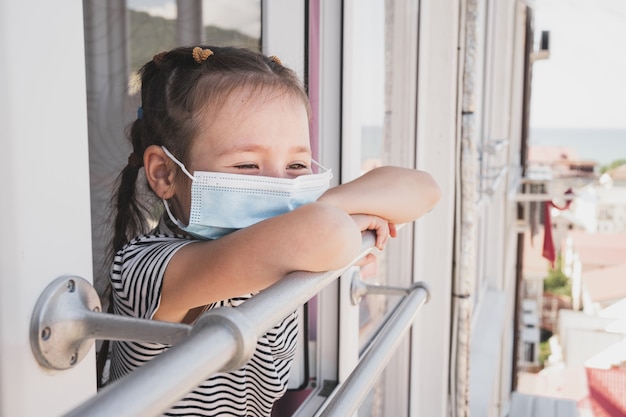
[548, 243]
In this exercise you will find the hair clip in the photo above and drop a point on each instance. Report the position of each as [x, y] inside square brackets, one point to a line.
[139, 112]
[276, 60]
[200, 55]
[158, 58]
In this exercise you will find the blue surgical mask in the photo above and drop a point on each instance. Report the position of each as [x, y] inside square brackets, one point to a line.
[222, 203]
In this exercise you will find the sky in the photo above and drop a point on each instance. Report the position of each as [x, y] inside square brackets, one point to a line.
[583, 82]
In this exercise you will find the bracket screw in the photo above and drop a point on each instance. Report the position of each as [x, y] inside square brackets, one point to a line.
[45, 333]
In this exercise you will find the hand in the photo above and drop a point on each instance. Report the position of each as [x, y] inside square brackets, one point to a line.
[380, 226]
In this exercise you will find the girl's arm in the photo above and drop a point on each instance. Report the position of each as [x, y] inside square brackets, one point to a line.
[314, 237]
[398, 195]
[320, 236]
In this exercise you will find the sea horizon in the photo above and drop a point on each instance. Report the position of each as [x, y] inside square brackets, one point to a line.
[603, 146]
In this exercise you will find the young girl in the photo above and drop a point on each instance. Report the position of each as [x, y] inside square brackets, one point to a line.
[223, 138]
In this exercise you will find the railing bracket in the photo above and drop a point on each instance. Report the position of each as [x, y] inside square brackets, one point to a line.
[360, 288]
[56, 331]
[68, 319]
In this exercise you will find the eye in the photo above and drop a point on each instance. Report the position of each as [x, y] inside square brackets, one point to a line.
[298, 166]
[247, 166]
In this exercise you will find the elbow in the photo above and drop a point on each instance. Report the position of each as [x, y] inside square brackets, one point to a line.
[424, 194]
[432, 191]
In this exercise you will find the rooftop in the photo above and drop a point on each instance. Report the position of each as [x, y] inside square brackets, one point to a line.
[563, 161]
[619, 173]
[599, 249]
[606, 283]
[547, 155]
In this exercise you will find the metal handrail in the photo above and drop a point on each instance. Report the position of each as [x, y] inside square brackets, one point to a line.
[67, 319]
[221, 340]
[347, 398]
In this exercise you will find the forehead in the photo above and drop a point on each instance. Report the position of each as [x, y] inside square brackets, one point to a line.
[249, 96]
[244, 105]
[247, 118]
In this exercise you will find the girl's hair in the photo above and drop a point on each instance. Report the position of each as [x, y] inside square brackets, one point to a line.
[175, 87]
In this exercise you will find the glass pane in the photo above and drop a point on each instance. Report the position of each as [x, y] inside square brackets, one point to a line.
[232, 23]
[152, 29]
[384, 103]
[371, 91]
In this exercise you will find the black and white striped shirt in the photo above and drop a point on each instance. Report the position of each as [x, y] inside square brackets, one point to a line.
[137, 278]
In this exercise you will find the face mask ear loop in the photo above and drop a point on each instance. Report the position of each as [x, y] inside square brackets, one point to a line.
[171, 216]
[177, 162]
[322, 169]
[319, 166]
[165, 203]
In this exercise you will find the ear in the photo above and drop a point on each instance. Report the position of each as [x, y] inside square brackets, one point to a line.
[160, 172]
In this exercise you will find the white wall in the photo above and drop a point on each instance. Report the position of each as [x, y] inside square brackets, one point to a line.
[44, 216]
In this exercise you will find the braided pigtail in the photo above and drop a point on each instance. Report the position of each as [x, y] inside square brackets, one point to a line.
[130, 212]
[128, 219]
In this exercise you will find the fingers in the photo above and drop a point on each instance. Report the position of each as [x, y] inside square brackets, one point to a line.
[382, 234]
[393, 232]
[380, 226]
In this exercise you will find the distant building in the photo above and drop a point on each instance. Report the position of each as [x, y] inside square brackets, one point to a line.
[618, 175]
[590, 238]
[598, 261]
[563, 161]
[611, 200]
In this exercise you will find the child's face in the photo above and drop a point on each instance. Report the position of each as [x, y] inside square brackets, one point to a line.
[262, 134]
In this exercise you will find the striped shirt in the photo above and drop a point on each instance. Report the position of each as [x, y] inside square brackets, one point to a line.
[137, 278]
